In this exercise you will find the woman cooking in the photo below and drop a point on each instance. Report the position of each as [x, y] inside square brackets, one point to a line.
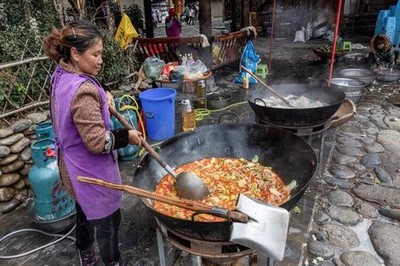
[84, 139]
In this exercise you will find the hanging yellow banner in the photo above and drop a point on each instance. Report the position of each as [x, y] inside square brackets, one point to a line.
[125, 32]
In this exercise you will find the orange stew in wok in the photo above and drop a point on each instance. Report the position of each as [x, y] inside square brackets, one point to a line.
[226, 178]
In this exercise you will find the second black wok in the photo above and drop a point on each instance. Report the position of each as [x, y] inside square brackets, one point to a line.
[329, 99]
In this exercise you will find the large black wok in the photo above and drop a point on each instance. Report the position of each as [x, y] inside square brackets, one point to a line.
[331, 98]
[289, 155]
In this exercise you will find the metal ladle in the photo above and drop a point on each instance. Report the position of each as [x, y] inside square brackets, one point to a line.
[268, 87]
[187, 185]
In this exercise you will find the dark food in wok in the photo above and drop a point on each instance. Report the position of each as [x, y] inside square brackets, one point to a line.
[291, 157]
[324, 102]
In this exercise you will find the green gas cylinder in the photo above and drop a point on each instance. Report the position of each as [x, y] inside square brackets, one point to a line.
[52, 200]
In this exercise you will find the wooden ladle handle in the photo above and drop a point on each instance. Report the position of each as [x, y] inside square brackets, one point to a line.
[144, 143]
[268, 87]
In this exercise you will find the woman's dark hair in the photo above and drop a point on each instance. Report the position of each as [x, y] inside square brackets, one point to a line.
[379, 40]
[80, 34]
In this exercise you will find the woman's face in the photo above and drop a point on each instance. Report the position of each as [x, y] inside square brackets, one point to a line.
[90, 61]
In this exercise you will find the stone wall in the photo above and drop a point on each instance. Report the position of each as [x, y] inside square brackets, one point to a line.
[16, 161]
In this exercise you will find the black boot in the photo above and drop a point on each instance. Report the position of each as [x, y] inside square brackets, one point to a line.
[89, 257]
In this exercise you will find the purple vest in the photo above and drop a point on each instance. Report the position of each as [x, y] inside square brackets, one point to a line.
[174, 30]
[96, 201]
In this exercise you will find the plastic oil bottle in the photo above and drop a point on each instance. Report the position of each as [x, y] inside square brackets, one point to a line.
[189, 121]
[201, 93]
[245, 82]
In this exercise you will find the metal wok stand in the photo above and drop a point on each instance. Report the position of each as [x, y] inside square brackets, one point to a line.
[197, 260]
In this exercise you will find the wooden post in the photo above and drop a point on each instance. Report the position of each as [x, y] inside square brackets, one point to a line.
[233, 14]
[205, 28]
[245, 13]
[148, 18]
[205, 17]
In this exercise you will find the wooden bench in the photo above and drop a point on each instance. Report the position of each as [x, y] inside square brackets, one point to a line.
[167, 49]
[230, 48]
[170, 49]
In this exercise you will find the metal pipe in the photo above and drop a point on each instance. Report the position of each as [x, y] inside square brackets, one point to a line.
[334, 41]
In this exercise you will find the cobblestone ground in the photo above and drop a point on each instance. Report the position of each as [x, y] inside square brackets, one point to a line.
[357, 211]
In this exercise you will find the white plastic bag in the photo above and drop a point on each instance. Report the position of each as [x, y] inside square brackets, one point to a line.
[152, 67]
[299, 36]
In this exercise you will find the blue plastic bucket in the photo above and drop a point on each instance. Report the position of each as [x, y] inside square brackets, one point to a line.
[159, 111]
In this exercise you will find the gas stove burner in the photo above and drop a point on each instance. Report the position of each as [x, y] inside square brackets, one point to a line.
[220, 252]
[299, 131]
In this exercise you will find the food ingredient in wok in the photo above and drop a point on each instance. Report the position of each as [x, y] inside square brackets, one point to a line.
[226, 178]
[295, 101]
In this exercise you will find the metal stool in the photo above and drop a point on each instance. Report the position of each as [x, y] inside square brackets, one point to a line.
[347, 46]
[262, 70]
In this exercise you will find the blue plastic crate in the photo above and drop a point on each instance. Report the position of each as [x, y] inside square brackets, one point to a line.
[383, 13]
[379, 27]
[390, 23]
[390, 31]
[392, 10]
[396, 42]
[390, 34]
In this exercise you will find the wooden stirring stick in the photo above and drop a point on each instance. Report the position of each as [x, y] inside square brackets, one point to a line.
[183, 203]
[268, 87]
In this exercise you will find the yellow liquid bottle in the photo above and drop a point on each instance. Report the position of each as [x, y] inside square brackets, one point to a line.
[201, 93]
[189, 121]
[246, 82]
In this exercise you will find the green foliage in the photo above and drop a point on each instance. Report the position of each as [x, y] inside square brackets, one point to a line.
[23, 26]
[114, 61]
[136, 15]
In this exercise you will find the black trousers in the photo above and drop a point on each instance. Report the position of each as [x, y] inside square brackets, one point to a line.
[106, 234]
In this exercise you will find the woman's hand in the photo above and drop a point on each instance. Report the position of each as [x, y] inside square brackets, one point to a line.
[110, 100]
[134, 138]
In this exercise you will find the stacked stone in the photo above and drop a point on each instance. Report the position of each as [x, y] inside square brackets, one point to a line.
[16, 161]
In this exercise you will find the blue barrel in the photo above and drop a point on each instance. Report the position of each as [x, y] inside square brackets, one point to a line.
[44, 130]
[159, 111]
[52, 200]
